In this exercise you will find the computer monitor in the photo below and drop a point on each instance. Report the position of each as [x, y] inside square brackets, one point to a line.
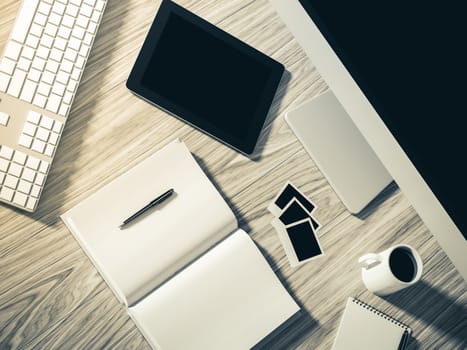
[395, 67]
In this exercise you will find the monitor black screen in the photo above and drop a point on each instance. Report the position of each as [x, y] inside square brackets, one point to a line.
[406, 56]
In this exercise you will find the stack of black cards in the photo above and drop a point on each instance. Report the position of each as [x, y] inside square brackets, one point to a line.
[295, 225]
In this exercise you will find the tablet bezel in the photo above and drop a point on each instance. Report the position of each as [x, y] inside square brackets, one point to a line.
[244, 145]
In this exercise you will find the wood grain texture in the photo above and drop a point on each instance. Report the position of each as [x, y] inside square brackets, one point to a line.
[51, 296]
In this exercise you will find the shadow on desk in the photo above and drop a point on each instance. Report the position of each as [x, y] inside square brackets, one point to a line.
[64, 164]
[272, 115]
[428, 304]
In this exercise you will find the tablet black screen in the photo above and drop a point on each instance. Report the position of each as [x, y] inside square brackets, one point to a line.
[206, 77]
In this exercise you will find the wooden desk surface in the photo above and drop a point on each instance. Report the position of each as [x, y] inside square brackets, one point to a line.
[52, 297]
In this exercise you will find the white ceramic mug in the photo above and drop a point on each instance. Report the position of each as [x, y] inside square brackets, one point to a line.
[391, 270]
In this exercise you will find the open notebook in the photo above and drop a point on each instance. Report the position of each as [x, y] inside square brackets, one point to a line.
[188, 276]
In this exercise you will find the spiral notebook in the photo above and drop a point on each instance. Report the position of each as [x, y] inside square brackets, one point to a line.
[363, 327]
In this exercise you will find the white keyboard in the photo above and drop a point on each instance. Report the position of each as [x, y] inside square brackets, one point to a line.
[39, 73]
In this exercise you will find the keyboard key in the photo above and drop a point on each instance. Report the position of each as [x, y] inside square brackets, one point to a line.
[90, 2]
[10, 181]
[68, 97]
[7, 66]
[6, 193]
[33, 117]
[36, 30]
[20, 199]
[42, 134]
[4, 165]
[19, 157]
[64, 32]
[78, 32]
[80, 62]
[24, 186]
[53, 139]
[49, 150]
[6, 152]
[32, 41]
[12, 50]
[38, 146]
[47, 122]
[28, 53]
[43, 52]
[38, 63]
[66, 66]
[39, 179]
[53, 103]
[72, 10]
[29, 129]
[74, 43]
[56, 54]
[95, 16]
[86, 10]
[17, 81]
[48, 77]
[60, 44]
[40, 19]
[47, 41]
[58, 8]
[68, 21]
[44, 167]
[4, 117]
[58, 88]
[92, 28]
[33, 163]
[76, 2]
[44, 89]
[28, 91]
[87, 39]
[15, 169]
[23, 64]
[84, 50]
[25, 140]
[51, 29]
[31, 203]
[100, 5]
[35, 191]
[44, 8]
[62, 77]
[52, 66]
[34, 75]
[82, 21]
[40, 101]
[23, 21]
[63, 109]
[29, 175]
[4, 81]
[57, 126]
[72, 85]
[55, 19]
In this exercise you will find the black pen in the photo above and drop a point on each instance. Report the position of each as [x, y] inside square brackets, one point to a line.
[151, 204]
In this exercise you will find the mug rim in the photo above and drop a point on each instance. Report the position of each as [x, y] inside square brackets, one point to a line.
[418, 261]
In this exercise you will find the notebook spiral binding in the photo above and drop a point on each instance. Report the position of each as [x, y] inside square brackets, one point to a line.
[382, 314]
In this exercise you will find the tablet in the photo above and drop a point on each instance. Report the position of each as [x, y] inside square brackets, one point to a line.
[206, 77]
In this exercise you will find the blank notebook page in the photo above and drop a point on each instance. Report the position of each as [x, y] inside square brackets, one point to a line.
[227, 299]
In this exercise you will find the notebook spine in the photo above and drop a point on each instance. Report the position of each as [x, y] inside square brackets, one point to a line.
[382, 314]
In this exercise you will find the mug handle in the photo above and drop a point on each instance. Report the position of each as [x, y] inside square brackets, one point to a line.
[368, 261]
